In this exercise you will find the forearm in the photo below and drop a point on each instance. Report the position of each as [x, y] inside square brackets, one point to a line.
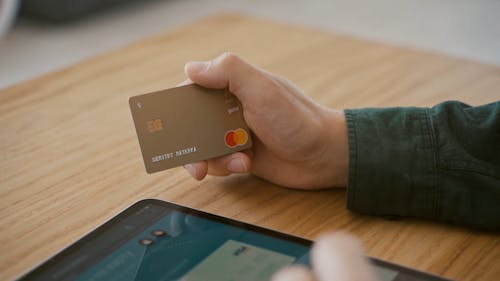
[436, 163]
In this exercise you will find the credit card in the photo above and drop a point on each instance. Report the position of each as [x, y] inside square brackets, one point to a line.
[187, 124]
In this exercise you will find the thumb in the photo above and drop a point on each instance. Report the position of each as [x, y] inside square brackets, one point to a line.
[340, 256]
[227, 71]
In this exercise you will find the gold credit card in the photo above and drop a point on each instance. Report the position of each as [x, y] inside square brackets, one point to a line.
[187, 124]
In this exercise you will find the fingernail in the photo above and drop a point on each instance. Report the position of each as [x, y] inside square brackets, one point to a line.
[236, 165]
[191, 169]
[197, 66]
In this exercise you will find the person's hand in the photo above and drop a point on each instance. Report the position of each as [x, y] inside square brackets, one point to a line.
[335, 257]
[296, 142]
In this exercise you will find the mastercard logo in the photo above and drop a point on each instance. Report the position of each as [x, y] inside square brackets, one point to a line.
[236, 137]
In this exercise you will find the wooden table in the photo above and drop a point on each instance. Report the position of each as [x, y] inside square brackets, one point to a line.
[70, 159]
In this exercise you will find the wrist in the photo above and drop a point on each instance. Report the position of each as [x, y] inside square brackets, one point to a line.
[335, 158]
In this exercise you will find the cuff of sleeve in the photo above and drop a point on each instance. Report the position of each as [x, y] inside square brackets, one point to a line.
[391, 162]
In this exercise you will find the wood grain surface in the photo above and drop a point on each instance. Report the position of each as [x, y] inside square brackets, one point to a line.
[70, 159]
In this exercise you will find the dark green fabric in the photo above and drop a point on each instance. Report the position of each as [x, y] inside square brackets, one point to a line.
[438, 163]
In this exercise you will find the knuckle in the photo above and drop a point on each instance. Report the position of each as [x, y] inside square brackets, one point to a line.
[229, 59]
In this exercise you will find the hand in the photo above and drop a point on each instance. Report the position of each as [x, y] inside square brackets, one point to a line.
[296, 142]
[335, 257]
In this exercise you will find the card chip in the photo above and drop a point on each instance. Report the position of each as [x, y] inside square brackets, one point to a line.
[154, 125]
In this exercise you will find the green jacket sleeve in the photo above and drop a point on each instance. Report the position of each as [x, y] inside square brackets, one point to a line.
[438, 163]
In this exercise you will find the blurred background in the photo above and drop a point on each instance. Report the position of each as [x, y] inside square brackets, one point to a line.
[39, 36]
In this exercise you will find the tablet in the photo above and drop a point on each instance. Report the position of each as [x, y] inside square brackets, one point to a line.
[156, 240]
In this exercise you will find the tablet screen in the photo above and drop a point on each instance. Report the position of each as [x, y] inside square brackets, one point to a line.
[156, 240]
[187, 247]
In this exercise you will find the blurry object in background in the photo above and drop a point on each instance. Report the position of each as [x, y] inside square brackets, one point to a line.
[64, 10]
[8, 12]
